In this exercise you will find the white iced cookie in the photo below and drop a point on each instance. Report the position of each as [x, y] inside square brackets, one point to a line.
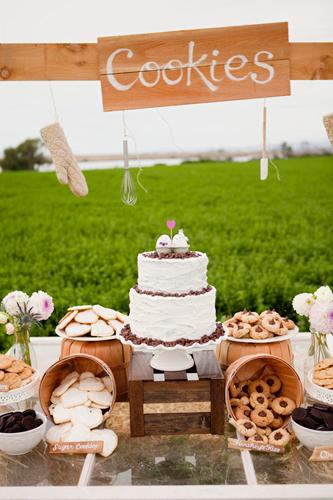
[57, 432]
[51, 408]
[102, 398]
[101, 329]
[122, 317]
[69, 380]
[79, 308]
[116, 324]
[91, 417]
[108, 383]
[55, 399]
[91, 384]
[109, 438]
[101, 407]
[78, 432]
[86, 375]
[60, 414]
[77, 329]
[163, 244]
[105, 312]
[74, 397]
[66, 320]
[86, 317]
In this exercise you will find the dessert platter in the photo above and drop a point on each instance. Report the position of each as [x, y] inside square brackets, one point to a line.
[320, 381]
[90, 323]
[18, 380]
[172, 307]
[253, 328]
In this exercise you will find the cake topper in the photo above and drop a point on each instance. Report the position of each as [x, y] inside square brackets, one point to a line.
[168, 244]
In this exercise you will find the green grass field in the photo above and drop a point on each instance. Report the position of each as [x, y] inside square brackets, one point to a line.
[266, 240]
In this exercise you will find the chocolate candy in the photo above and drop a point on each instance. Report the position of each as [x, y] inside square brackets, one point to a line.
[317, 417]
[19, 421]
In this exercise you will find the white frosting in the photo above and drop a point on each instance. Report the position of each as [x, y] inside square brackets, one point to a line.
[171, 318]
[172, 275]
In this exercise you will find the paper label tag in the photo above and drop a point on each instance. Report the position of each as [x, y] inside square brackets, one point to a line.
[4, 388]
[241, 444]
[76, 447]
[322, 454]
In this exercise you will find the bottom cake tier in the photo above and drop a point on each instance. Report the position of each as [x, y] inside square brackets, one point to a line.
[169, 318]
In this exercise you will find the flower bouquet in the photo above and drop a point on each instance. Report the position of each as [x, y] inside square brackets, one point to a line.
[18, 313]
[318, 308]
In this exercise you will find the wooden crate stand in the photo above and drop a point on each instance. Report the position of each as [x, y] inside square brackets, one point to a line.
[176, 388]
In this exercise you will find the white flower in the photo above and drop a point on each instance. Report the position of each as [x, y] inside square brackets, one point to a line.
[302, 303]
[321, 317]
[324, 293]
[3, 318]
[13, 300]
[10, 329]
[41, 304]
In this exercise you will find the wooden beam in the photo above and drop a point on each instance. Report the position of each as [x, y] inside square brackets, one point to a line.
[79, 61]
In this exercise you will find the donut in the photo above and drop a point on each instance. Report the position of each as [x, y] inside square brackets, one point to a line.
[277, 422]
[241, 330]
[271, 324]
[273, 382]
[249, 317]
[288, 323]
[234, 389]
[262, 417]
[258, 400]
[258, 332]
[279, 437]
[259, 386]
[243, 412]
[283, 406]
[269, 313]
[245, 427]
[258, 438]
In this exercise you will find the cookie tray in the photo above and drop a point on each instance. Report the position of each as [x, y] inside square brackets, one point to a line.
[317, 392]
[27, 391]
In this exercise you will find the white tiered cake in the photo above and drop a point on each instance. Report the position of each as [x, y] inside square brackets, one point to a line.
[172, 302]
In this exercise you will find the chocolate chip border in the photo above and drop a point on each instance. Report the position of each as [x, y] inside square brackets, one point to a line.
[164, 294]
[171, 255]
[127, 334]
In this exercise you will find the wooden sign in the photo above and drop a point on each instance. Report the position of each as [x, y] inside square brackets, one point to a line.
[76, 447]
[241, 444]
[186, 67]
[322, 454]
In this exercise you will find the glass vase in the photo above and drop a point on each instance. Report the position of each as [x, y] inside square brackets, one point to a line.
[22, 348]
[318, 351]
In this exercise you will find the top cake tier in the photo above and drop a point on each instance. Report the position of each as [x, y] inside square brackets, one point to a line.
[177, 274]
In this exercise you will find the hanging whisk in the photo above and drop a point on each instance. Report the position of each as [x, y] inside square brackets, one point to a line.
[128, 189]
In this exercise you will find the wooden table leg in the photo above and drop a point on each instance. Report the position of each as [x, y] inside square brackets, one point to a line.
[135, 390]
[217, 406]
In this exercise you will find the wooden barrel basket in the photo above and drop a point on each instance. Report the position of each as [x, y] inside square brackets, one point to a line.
[116, 355]
[228, 352]
[255, 366]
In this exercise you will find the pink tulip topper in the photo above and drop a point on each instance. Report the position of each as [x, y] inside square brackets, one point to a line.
[171, 224]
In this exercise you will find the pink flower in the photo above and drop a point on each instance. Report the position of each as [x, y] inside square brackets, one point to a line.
[171, 224]
[41, 304]
[320, 317]
[10, 329]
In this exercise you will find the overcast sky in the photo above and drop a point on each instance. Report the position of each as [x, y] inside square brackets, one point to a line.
[26, 107]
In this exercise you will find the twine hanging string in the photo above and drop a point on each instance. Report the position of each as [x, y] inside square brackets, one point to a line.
[264, 153]
[55, 111]
[165, 121]
[127, 133]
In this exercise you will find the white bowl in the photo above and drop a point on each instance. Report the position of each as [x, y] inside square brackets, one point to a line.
[312, 438]
[19, 443]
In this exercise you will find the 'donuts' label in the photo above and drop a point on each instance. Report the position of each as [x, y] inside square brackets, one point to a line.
[241, 444]
[76, 447]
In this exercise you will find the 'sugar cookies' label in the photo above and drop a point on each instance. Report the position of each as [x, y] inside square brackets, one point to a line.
[241, 444]
[76, 447]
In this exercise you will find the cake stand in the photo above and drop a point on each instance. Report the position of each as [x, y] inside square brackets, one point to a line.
[176, 357]
[22, 393]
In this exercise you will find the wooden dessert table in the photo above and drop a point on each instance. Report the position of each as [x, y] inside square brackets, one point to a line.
[174, 467]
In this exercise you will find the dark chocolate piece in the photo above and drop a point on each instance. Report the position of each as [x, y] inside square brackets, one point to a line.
[299, 414]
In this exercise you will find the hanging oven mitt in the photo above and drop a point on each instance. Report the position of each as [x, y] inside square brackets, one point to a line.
[66, 166]
[328, 122]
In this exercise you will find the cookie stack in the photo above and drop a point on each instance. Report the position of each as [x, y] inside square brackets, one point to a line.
[14, 373]
[260, 412]
[94, 321]
[323, 373]
[77, 408]
[249, 324]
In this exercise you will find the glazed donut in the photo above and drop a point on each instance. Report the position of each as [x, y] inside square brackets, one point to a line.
[243, 412]
[277, 422]
[245, 427]
[258, 438]
[288, 323]
[271, 324]
[283, 406]
[241, 330]
[258, 400]
[258, 332]
[249, 317]
[234, 390]
[279, 437]
[259, 386]
[273, 382]
[269, 313]
[262, 417]
[283, 330]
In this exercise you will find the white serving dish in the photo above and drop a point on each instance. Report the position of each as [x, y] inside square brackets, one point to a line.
[277, 338]
[85, 338]
[19, 443]
[27, 391]
[317, 392]
[310, 437]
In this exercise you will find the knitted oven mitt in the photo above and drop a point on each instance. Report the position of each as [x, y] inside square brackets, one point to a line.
[328, 122]
[66, 166]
